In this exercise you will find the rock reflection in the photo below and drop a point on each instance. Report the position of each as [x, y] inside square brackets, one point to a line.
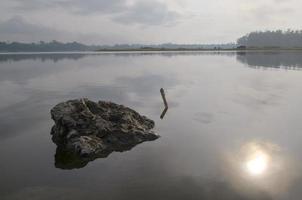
[67, 160]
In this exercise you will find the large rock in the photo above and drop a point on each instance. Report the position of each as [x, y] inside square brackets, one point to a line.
[85, 130]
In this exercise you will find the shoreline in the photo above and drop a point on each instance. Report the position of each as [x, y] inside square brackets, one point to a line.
[157, 51]
[201, 50]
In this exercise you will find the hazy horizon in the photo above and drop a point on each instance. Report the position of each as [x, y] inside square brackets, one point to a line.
[143, 21]
[150, 99]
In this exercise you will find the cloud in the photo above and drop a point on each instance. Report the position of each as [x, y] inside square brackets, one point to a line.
[16, 29]
[146, 12]
[77, 6]
[151, 81]
[266, 13]
[19, 29]
[136, 21]
[92, 6]
[143, 12]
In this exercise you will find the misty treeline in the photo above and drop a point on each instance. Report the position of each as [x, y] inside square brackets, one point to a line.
[278, 38]
[270, 39]
[75, 46]
[43, 46]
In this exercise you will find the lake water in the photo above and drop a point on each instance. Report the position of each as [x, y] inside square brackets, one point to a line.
[232, 131]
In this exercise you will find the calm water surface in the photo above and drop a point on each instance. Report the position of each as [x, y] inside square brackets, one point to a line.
[233, 129]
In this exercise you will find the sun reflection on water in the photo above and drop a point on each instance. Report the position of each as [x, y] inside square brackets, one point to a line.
[260, 166]
[257, 158]
[257, 164]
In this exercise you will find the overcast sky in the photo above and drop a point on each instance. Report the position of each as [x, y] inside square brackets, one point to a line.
[143, 21]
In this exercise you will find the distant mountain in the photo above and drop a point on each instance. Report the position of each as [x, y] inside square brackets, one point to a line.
[56, 46]
[44, 47]
[168, 46]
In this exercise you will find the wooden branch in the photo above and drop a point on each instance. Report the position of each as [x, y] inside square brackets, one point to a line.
[164, 97]
[163, 113]
[165, 102]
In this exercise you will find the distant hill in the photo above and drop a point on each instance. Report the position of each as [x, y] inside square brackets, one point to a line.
[169, 46]
[279, 39]
[44, 47]
[56, 46]
[272, 39]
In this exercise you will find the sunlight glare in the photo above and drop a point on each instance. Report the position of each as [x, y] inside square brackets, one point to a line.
[257, 164]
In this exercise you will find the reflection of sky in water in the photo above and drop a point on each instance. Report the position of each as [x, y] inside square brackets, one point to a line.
[218, 109]
[262, 166]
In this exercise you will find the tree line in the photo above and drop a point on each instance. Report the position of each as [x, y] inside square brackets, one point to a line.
[55, 46]
[278, 38]
[270, 39]
[43, 46]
